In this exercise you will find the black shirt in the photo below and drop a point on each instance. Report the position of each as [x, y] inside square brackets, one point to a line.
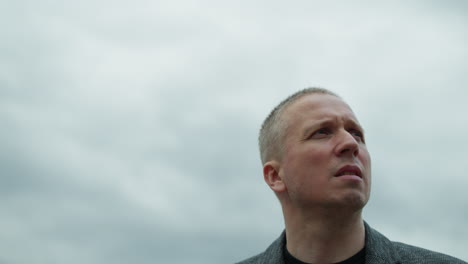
[357, 258]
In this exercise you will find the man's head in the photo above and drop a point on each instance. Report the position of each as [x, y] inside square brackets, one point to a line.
[318, 155]
[272, 131]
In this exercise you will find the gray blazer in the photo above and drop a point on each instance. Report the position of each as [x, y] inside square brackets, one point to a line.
[379, 250]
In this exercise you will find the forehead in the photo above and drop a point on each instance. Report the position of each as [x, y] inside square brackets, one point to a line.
[317, 107]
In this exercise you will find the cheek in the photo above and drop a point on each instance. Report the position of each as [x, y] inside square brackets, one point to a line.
[364, 156]
[307, 169]
[305, 164]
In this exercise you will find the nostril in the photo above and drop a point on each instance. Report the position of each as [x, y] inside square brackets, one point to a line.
[354, 151]
[345, 150]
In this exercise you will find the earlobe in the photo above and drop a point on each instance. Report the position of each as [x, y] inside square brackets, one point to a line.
[272, 177]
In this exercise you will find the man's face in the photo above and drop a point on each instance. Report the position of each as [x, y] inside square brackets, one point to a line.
[325, 162]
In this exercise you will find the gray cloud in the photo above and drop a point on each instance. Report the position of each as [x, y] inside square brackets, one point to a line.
[129, 129]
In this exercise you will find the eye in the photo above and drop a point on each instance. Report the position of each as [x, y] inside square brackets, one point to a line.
[357, 134]
[321, 133]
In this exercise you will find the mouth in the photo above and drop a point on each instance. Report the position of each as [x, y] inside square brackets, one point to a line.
[350, 170]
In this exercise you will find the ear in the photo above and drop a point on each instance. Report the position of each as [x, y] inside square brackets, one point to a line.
[272, 177]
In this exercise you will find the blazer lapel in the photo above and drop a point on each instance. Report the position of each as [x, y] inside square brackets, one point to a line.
[379, 249]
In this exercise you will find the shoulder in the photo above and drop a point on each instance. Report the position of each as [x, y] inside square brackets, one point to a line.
[272, 255]
[382, 250]
[413, 254]
[252, 260]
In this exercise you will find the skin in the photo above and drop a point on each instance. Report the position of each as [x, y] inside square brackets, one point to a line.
[322, 212]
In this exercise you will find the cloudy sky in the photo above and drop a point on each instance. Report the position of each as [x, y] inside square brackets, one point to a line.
[128, 128]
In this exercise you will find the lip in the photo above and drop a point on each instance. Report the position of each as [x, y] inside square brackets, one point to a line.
[349, 168]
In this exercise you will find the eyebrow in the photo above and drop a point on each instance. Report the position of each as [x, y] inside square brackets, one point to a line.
[316, 124]
[329, 121]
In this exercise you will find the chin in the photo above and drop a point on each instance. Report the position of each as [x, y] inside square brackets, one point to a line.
[351, 201]
[356, 203]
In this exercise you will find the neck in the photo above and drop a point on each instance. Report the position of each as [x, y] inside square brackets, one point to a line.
[324, 237]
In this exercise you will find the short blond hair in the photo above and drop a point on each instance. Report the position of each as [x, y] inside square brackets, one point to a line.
[272, 131]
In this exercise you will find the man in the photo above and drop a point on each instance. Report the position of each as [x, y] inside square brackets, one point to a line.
[316, 161]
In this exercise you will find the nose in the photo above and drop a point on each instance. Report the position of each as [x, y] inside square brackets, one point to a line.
[347, 145]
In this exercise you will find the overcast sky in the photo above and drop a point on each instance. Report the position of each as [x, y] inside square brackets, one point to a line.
[129, 127]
